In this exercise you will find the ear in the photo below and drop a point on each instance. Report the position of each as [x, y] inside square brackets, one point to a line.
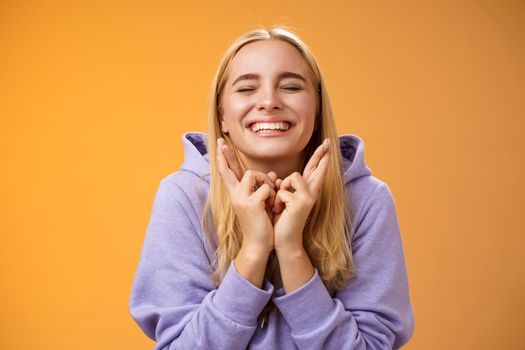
[224, 127]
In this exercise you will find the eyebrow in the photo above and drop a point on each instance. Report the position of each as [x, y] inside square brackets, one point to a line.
[253, 76]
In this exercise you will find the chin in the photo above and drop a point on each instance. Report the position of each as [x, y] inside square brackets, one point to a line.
[277, 155]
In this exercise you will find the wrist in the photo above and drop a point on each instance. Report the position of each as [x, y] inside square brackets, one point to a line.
[292, 251]
[256, 250]
[290, 248]
[296, 268]
[251, 264]
[254, 254]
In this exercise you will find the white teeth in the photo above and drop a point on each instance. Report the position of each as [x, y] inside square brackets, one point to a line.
[270, 126]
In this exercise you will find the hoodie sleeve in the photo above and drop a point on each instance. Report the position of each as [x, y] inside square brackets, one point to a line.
[172, 297]
[374, 311]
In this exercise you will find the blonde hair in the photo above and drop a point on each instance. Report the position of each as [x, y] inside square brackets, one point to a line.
[327, 232]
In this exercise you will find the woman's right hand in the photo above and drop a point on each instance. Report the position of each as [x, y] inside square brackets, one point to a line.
[252, 195]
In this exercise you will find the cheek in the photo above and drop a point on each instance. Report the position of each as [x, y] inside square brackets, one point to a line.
[235, 108]
[306, 109]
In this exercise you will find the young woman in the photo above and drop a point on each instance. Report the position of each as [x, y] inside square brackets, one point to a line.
[273, 234]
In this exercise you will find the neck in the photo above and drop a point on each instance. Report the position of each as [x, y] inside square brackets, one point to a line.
[283, 168]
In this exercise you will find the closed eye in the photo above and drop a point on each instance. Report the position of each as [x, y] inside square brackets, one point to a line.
[293, 87]
[286, 87]
[245, 89]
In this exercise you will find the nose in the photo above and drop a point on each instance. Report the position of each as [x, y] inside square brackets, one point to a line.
[269, 100]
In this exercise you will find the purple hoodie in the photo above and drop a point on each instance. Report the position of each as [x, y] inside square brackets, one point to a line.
[175, 303]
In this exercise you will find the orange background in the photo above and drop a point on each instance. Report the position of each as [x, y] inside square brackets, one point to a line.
[95, 96]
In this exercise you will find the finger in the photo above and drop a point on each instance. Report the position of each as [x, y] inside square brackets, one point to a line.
[233, 162]
[281, 199]
[285, 184]
[293, 182]
[297, 182]
[253, 178]
[278, 203]
[315, 159]
[227, 175]
[283, 195]
[278, 183]
[317, 177]
[270, 200]
[264, 193]
[273, 176]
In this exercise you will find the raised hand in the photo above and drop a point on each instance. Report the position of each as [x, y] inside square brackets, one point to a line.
[252, 196]
[234, 165]
[295, 198]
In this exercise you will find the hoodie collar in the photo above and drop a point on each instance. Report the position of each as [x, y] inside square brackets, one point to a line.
[353, 155]
[196, 156]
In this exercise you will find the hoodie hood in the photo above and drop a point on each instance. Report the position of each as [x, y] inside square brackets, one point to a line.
[196, 156]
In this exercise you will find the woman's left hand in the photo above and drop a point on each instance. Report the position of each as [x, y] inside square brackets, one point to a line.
[291, 208]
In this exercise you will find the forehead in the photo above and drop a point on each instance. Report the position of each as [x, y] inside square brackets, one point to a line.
[267, 57]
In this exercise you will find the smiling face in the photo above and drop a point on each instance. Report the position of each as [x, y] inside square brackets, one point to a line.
[268, 103]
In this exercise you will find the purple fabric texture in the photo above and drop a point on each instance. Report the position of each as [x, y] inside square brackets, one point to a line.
[175, 303]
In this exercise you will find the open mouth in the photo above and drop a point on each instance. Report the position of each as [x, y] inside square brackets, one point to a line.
[269, 128]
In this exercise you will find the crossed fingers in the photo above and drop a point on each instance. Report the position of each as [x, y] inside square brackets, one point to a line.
[246, 183]
[306, 186]
[315, 169]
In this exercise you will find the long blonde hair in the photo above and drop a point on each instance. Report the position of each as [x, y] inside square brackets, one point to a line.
[327, 232]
